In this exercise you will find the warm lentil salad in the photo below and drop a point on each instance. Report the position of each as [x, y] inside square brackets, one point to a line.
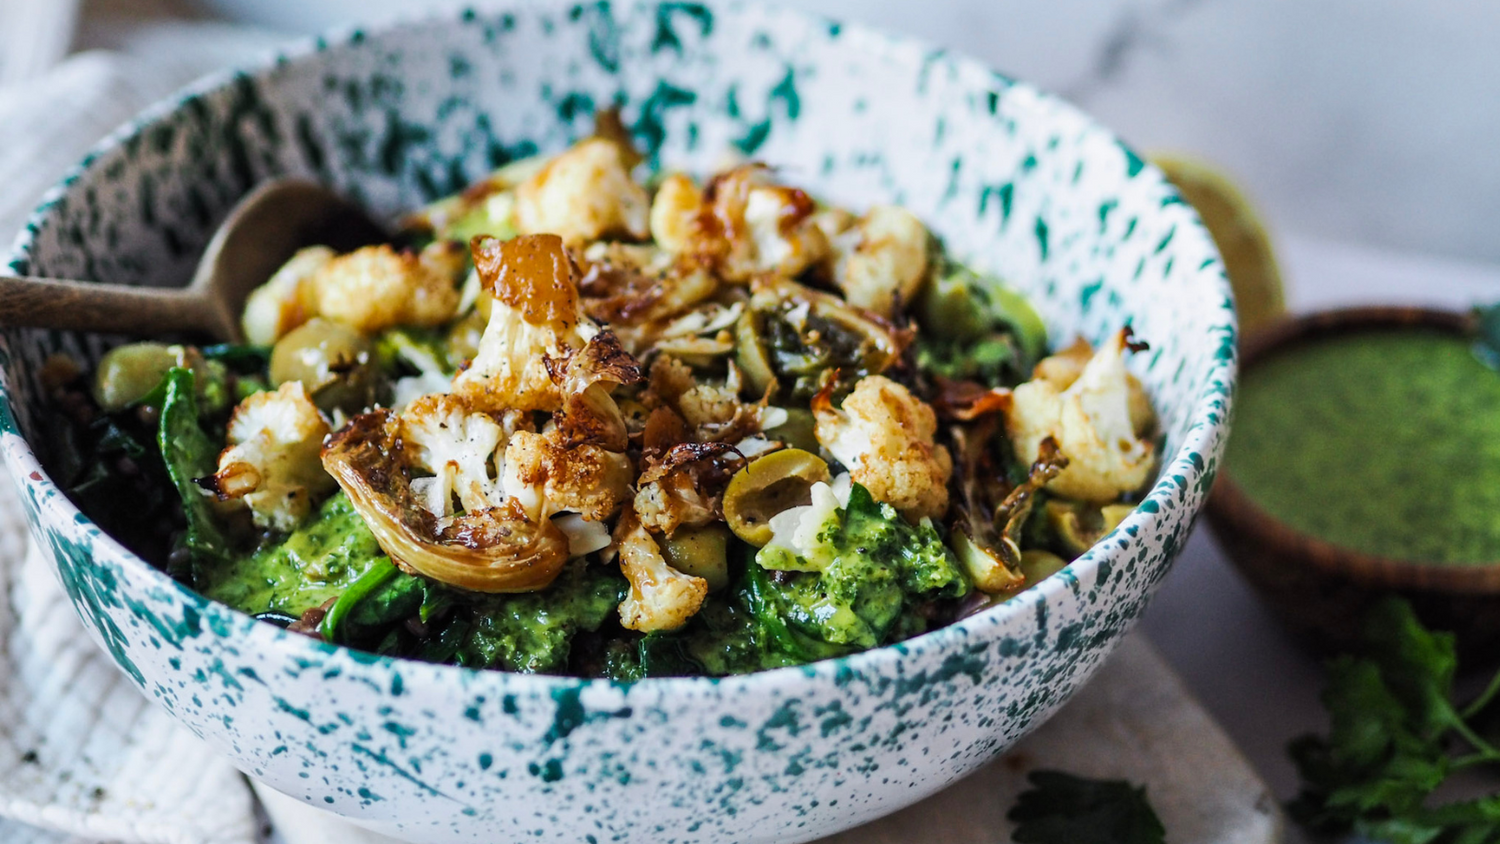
[579, 421]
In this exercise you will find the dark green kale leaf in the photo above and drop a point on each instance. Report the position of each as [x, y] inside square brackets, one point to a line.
[189, 454]
[1063, 809]
[1392, 722]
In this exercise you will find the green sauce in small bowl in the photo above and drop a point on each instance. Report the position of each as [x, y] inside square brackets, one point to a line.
[1384, 441]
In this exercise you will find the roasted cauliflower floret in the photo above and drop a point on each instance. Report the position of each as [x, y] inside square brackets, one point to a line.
[272, 463]
[660, 597]
[369, 289]
[287, 300]
[544, 475]
[713, 411]
[684, 487]
[459, 447]
[1063, 368]
[1091, 422]
[674, 213]
[882, 260]
[493, 549]
[584, 194]
[742, 223]
[884, 435]
[376, 287]
[535, 317]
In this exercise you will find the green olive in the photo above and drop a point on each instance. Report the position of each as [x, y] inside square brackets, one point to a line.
[798, 429]
[1080, 526]
[1038, 565]
[767, 486]
[128, 373]
[750, 354]
[333, 362]
[701, 552]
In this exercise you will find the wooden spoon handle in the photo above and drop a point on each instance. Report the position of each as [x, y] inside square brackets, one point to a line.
[106, 308]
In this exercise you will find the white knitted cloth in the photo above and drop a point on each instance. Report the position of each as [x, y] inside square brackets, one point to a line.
[83, 756]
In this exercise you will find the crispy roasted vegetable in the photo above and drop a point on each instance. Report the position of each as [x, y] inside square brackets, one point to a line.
[684, 486]
[804, 338]
[369, 289]
[988, 541]
[660, 597]
[536, 317]
[1090, 422]
[491, 550]
[884, 435]
[584, 194]
[881, 261]
[272, 462]
[743, 225]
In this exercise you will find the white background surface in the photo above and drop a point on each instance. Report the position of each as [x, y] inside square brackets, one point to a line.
[1372, 121]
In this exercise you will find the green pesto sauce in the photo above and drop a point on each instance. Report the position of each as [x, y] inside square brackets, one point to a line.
[315, 562]
[1385, 442]
[533, 632]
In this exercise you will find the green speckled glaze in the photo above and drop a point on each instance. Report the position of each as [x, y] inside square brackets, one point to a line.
[1016, 182]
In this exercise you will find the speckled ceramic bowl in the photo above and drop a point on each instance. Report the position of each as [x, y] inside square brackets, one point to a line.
[1016, 182]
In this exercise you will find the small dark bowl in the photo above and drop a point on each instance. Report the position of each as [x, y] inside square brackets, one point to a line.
[1320, 590]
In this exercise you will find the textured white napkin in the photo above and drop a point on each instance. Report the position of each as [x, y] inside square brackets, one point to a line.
[82, 753]
[83, 756]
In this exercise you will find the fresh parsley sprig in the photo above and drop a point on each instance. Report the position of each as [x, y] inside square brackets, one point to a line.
[1395, 736]
[1064, 809]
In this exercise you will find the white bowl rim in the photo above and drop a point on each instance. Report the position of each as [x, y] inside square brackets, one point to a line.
[1212, 398]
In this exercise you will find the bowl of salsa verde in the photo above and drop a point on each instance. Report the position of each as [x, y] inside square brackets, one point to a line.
[1365, 461]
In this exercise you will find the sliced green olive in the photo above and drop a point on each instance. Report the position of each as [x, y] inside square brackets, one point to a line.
[333, 361]
[1079, 526]
[768, 485]
[700, 552]
[798, 429]
[1038, 565]
[128, 373]
[750, 354]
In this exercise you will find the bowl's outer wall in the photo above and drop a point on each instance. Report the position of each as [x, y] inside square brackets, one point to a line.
[1016, 182]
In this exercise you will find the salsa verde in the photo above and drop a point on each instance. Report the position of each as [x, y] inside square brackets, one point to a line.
[1382, 441]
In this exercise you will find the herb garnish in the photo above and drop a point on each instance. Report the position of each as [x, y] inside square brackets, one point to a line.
[1063, 809]
[1395, 736]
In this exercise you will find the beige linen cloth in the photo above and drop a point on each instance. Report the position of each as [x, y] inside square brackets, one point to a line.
[85, 758]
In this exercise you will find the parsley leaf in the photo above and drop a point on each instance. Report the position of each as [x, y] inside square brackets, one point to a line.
[1064, 809]
[1393, 720]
